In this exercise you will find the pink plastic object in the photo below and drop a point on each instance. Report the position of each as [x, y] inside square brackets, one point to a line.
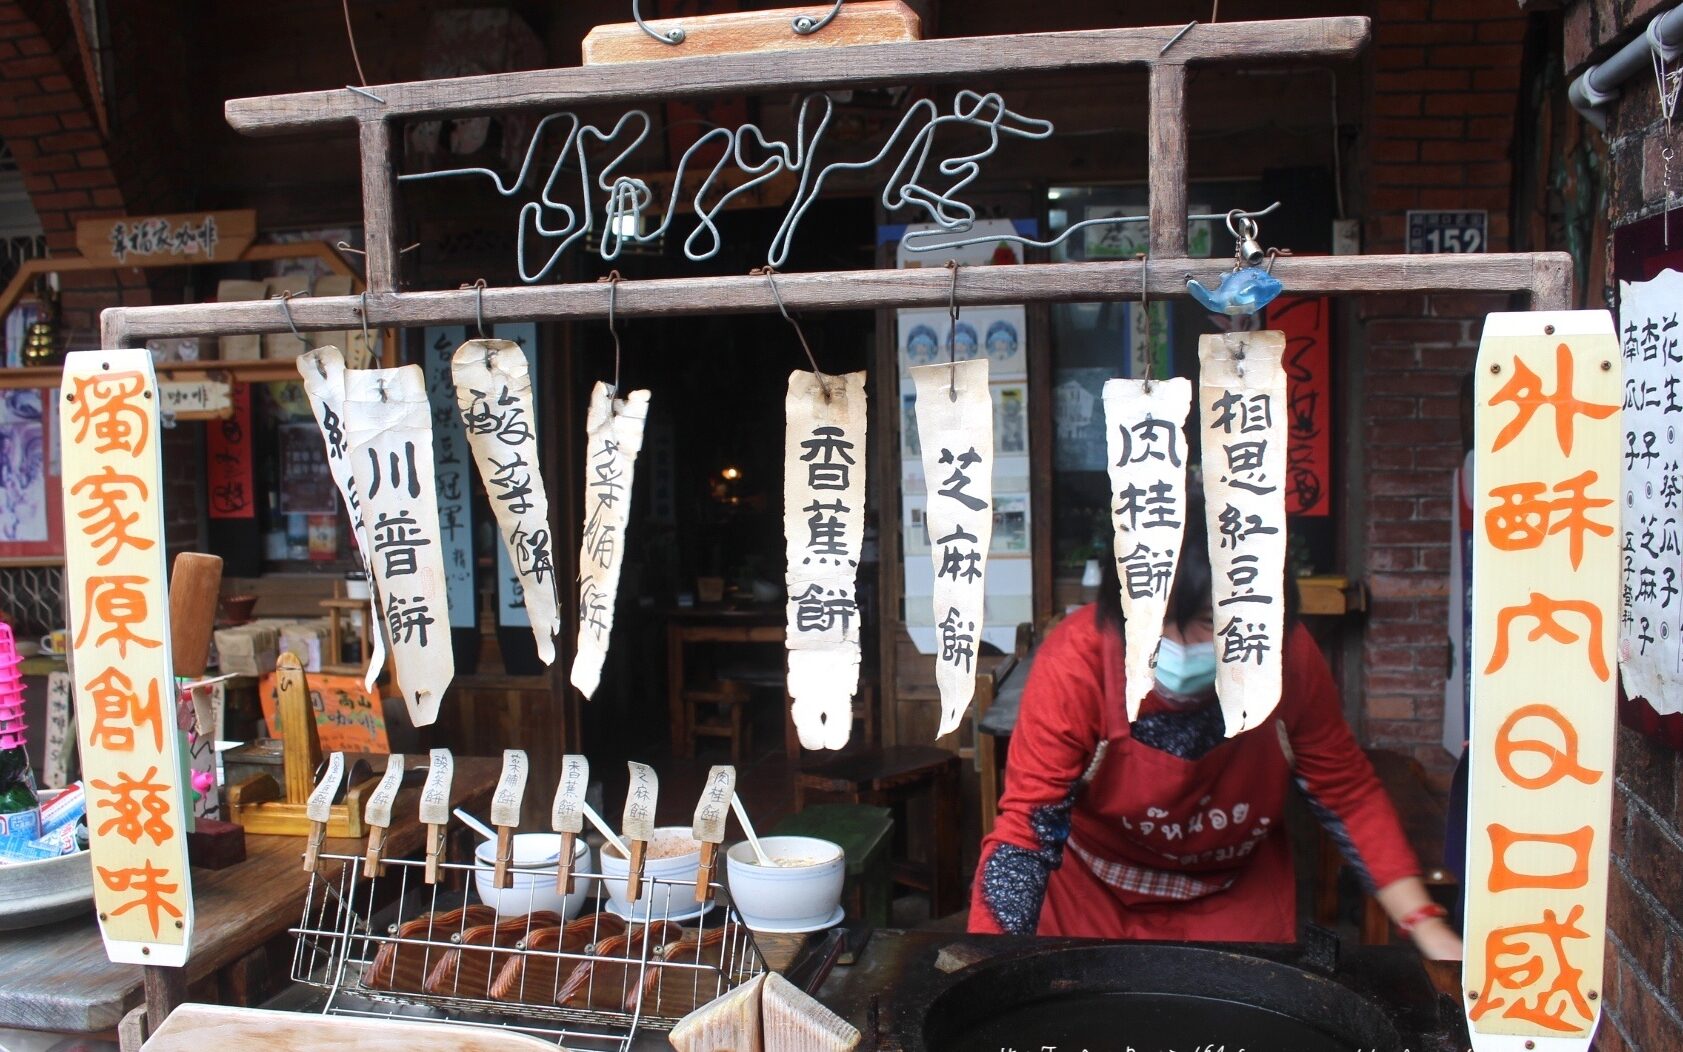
[11, 691]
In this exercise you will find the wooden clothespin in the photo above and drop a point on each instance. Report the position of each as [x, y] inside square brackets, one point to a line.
[638, 823]
[319, 808]
[505, 812]
[567, 815]
[435, 807]
[711, 812]
[378, 814]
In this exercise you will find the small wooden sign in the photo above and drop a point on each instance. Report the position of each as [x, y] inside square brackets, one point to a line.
[567, 815]
[150, 241]
[1546, 559]
[201, 399]
[711, 813]
[116, 587]
[868, 22]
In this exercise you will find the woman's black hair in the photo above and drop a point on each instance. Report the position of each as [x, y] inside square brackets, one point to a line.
[1190, 594]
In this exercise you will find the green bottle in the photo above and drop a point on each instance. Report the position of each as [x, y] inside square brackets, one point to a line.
[20, 814]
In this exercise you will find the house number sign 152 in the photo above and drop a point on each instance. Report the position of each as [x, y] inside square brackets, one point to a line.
[1464, 230]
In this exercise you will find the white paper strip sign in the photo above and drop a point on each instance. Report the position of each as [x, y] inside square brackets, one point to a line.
[319, 807]
[388, 426]
[323, 371]
[455, 486]
[511, 789]
[61, 736]
[613, 437]
[955, 426]
[511, 603]
[378, 812]
[1546, 555]
[566, 815]
[1651, 627]
[823, 528]
[116, 592]
[494, 397]
[1242, 402]
[435, 792]
[1146, 443]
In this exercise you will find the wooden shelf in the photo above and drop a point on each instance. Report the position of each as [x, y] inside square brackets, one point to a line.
[262, 370]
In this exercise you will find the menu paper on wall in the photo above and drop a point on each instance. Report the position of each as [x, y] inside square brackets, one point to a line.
[1651, 487]
[613, 437]
[455, 485]
[823, 528]
[61, 732]
[388, 427]
[955, 428]
[323, 372]
[1242, 402]
[118, 603]
[1546, 555]
[1146, 451]
[494, 397]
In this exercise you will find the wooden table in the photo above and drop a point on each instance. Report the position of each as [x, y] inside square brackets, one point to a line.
[57, 977]
[712, 623]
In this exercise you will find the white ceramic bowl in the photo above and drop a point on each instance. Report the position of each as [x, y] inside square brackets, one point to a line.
[534, 876]
[773, 897]
[672, 855]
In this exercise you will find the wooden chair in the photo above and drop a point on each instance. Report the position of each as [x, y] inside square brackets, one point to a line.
[892, 777]
[721, 711]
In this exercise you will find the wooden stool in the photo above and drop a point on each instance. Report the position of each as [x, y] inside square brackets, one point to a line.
[891, 777]
[863, 831]
[730, 698]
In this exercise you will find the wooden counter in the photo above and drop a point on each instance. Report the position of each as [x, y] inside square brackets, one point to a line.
[57, 976]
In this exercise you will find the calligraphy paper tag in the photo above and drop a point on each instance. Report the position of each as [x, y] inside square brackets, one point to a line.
[1242, 403]
[823, 527]
[713, 809]
[494, 396]
[955, 426]
[118, 605]
[61, 741]
[613, 437]
[1146, 445]
[323, 372]
[435, 793]
[1651, 627]
[320, 805]
[567, 814]
[1546, 554]
[388, 427]
[511, 789]
[638, 822]
[379, 810]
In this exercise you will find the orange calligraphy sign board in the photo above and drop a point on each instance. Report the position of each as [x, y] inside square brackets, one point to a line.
[349, 717]
[1545, 619]
[117, 593]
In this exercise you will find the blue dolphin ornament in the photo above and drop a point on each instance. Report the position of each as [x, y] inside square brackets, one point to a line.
[1241, 292]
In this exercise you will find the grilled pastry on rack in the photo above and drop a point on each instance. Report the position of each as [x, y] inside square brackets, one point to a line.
[671, 989]
[402, 966]
[535, 977]
[466, 970]
[606, 982]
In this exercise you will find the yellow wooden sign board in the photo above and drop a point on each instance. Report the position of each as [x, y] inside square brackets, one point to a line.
[150, 241]
[1545, 617]
[117, 593]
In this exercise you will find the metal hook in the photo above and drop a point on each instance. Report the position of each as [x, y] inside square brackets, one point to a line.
[1247, 226]
[612, 281]
[952, 334]
[675, 36]
[806, 25]
[380, 385]
[286, 309]
[367, 340]
[769, 272]
[1145, 314]
[478, 306]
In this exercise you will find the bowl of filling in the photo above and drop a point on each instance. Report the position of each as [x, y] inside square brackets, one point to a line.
[800, 891]
[672, 855]
[535, 857]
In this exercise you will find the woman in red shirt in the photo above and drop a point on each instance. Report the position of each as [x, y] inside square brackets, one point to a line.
[1165, 828]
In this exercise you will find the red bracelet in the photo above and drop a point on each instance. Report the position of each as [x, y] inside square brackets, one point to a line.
[1416, 916]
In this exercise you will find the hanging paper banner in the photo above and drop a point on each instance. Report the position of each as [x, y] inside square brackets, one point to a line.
[1242, 404]
[116, 592]
[823, 527]
[455, 487]
[494, 397]
[1651, 627]
[323, 372]
[204, 729]
[1144, 422]
[388, 426]
[511, 604]
[228, 460]
[61, 737]
[955, 428]
[1308, 364]
[1545, 593]
[613, 437]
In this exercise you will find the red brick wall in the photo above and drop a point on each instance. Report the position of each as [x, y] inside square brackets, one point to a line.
[1445, 74]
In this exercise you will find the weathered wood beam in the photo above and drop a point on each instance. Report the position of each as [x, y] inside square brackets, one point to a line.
[1546, 278]
[972, 59]
[379, 205]
[1166, 132]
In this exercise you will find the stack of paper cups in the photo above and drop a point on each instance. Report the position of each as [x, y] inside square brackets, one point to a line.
[11, 692]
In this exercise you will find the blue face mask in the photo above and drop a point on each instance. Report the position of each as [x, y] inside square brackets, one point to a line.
[1186, 670]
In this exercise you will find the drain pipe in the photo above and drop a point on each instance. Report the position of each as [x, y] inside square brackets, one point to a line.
[1599, 85]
